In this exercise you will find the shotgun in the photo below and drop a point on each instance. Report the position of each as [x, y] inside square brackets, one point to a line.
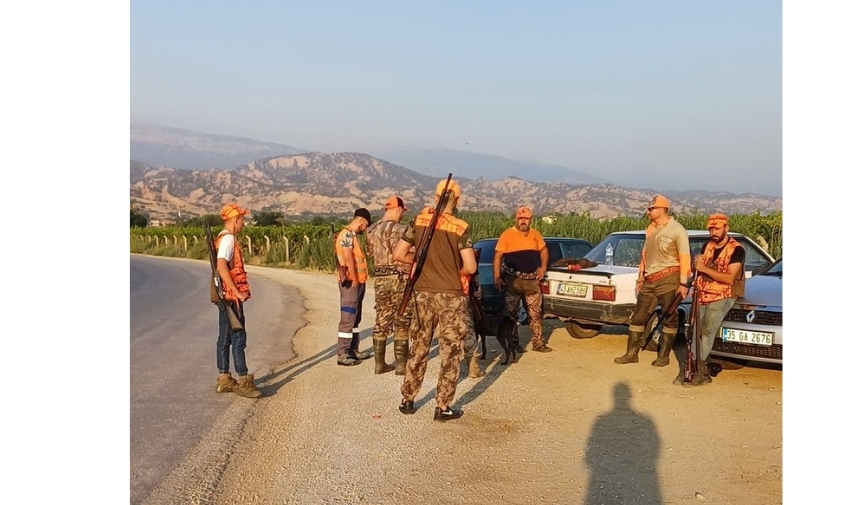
[664, 314]
[691, 333]
[216, 290]
[477, 308]
[421, 250]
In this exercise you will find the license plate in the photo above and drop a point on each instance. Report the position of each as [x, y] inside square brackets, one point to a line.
[747, 337]
[573, 289]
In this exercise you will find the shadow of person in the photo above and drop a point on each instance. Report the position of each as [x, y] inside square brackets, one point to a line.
[622, 456]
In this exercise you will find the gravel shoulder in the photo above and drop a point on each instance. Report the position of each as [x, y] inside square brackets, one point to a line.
[564, 427]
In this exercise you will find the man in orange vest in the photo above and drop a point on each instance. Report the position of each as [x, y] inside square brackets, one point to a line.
[352, 280]
[721, 281]
[234, 279]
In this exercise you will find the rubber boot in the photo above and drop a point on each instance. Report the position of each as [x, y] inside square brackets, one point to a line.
[664, 350]
[701, 377]
[634, 342]
[226, 383]
[401, 353]
[247, 388]
[379, 355]
[474, 368]
[679, 380]
[353, 349]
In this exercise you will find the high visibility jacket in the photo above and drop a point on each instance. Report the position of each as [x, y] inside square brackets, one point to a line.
[237, 270]
[710, 290]
[357, 253]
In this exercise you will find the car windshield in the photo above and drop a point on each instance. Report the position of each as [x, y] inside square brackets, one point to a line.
[627, 250]
[557, 249]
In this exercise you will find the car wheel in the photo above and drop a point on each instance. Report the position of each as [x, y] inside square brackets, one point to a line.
[579, 330]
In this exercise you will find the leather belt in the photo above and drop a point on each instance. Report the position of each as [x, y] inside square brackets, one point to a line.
[662, 274]
[516, 273]
[383, 271]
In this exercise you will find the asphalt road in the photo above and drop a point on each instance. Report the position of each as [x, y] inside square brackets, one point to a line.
[174, 328]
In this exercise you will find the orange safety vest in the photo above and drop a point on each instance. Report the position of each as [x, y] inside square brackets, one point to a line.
[358, 254]
[237, 270]
[710, 290]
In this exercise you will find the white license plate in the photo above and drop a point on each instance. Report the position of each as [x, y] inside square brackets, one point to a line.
[747, 337]
[572, 289]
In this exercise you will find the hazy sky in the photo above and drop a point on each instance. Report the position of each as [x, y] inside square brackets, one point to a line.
[666, 94]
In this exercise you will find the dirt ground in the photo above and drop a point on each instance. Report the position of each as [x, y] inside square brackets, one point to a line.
[566, 427]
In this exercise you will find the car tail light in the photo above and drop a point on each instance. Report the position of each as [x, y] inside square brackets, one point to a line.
[605, 293]
[544, 287]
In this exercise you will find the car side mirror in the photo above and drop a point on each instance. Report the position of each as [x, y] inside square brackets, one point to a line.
[759, 269]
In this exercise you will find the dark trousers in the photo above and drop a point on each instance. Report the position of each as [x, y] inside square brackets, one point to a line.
[351, 300]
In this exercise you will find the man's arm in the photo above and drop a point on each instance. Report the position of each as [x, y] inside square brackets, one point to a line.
[726, 278]
[544, 259]
[497, 269]
[227, 279]
[403, 252]
[470, 266]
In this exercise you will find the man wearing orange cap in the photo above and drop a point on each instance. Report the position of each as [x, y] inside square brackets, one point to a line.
[389, 282]
[519, 264]
[439, 302]
[721, 280]
[664, 270]
[234, 280]
[352, 283]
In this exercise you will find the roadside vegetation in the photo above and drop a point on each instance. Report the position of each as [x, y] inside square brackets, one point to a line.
[269, 239]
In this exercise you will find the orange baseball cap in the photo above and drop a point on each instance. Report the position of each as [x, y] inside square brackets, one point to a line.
[659, 201]
[394, 202]
[453, 187]
[524, 212]
[232, 210]
[717, 221]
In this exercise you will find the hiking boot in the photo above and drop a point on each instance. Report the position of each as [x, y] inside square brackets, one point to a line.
[541, 348]
[519, 349]
[445, 415]
[360, 355]
[407, 407]
[679, 380]
[226, 383]
[475, 369]
[379, 355]
[347, 361]
[247, 388]
[633, 342]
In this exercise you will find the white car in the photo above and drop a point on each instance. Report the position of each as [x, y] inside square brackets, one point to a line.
[589, 298]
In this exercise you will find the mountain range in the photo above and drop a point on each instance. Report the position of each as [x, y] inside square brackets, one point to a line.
[178, 171]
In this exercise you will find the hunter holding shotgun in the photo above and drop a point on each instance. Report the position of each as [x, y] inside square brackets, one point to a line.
[720, 280]
[443, 255]
[236, 291]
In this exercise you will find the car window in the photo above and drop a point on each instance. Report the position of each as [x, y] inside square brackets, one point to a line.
[627, 250]
[488, 249]
[554, 250]
[573, 249]
[753, 257]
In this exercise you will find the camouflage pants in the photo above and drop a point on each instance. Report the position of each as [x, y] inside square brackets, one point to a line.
[389, 292]
[527, 290]
[470, 343]
[445, 315]
[662, 292]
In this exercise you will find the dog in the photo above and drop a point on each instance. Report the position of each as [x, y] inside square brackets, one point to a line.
[493, 324]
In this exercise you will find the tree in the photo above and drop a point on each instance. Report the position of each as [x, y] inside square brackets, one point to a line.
[264, 218]
[139, 218]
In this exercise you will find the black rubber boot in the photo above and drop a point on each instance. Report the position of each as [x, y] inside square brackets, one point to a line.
[664, 350]
[379, 354]
[634, 342]
[401, 353]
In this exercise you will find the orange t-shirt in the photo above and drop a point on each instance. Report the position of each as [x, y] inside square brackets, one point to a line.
[521, 252]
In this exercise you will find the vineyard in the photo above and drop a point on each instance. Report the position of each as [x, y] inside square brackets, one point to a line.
[309, 246]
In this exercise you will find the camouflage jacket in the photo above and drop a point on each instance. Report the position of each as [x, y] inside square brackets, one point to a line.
[382, 237]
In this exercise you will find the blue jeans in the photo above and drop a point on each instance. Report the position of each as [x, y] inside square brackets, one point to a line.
[234, 339]
[710, 319]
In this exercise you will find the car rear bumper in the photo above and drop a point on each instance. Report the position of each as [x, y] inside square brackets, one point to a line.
[769, 354]
[602, 313]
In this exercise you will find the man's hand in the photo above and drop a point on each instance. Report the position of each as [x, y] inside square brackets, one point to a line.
[242, 296]
[497, 281]
[541, 271]
[699, 262]
[477, 294]
[683, 290]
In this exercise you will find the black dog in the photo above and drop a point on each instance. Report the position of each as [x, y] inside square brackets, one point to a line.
[503, 327]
